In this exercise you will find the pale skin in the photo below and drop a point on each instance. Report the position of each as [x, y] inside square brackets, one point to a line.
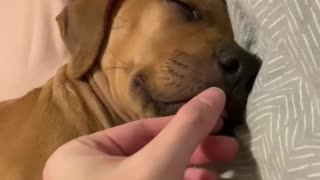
[167, 148]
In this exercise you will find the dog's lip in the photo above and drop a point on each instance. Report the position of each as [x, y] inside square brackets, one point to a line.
[183, 101]
[139, 84]
[177, 104]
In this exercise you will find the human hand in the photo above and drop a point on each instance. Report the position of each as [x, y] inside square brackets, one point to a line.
[166, 148]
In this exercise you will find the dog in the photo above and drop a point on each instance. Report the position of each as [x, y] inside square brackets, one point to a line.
[129, 60]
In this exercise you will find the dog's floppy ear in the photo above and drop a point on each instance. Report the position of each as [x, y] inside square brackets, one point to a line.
[82, 26]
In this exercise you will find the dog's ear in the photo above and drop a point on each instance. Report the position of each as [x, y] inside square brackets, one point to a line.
[82, 26]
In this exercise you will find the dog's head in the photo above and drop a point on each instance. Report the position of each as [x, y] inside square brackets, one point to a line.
[158, 54]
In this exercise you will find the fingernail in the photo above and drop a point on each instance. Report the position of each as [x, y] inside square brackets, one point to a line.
[213, 97]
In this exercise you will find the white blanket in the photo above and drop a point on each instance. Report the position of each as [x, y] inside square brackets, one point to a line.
[284, 108]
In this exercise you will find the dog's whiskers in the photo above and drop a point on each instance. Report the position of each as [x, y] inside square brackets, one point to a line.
[177, 53]
[178, 63]
[180, 52]
[166, 68]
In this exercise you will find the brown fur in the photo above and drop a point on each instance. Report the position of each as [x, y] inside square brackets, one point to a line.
[114, 46]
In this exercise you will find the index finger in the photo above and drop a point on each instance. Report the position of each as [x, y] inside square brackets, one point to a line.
[127, 139]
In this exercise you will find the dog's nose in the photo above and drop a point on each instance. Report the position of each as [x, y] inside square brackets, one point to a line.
[239, 68]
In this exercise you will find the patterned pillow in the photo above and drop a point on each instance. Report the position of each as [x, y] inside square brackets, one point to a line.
[282, 141]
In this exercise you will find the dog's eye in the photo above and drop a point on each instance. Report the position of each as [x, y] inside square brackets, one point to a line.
[191, 13]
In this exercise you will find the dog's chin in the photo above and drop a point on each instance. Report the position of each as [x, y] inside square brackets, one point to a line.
[234, 109]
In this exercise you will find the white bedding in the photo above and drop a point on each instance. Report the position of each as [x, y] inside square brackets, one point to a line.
[284, 109]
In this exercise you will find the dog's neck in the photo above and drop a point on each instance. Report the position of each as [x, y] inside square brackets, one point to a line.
[93, 97]
[101, 89]
[83, 99]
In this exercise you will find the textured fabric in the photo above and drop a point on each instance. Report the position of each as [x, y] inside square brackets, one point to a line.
[283, 113]
[31, 49]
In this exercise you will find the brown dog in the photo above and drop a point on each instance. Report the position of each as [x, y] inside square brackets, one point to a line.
[130, 59]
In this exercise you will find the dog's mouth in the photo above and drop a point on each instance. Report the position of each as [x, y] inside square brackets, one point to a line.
[162, 107]
[166, 108]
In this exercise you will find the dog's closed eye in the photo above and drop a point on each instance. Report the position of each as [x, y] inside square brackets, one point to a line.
[189, 11]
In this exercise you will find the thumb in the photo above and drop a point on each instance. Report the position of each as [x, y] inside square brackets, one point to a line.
[175, 144]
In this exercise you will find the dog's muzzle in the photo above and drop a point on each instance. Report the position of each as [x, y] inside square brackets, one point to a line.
[239, 69]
